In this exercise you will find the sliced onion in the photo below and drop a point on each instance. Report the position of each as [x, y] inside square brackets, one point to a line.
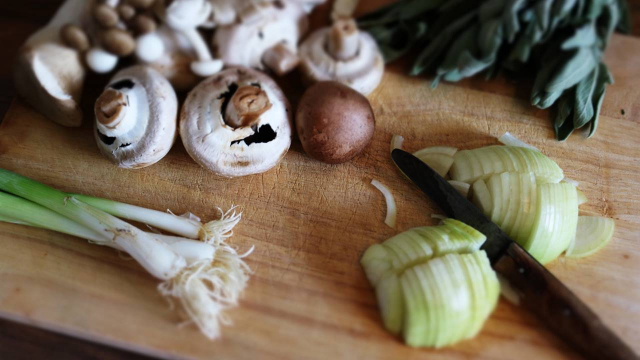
[482, 163]
[446, 150]
[511, 140]
[582, 198]
[593, 233]
[482, 197]
[390, 219]
[438, 216]
[440, 163]
[433, 284]
[571, 181]
[396, 142]
[463, 188]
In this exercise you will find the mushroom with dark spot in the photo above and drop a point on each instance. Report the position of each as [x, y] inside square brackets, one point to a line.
[334, 122]
[136, 118]
[236, 123]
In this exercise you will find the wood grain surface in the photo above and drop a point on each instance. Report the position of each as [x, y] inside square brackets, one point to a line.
[310, 223]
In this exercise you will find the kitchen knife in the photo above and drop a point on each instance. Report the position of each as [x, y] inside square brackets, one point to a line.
[539, 291]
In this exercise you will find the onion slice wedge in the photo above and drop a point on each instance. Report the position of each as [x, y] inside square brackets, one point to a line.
[593, 233]
[390, 219]
[510, 140]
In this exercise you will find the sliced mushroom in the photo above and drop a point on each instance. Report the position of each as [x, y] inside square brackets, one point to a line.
[236, 123]
[267, 34]
[343, 53]
[136, 118]
[50, 75]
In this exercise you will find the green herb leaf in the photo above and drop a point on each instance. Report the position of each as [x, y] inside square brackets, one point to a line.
[604, 78]
[583, 106]
[571, 72]
[584, 36]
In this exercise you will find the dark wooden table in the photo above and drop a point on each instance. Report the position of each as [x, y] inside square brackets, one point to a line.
[18, 19]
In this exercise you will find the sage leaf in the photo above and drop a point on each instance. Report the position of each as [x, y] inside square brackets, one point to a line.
[571, 72]
[604, 78]
[564, 109]
[584, 36]
[510, 18]
[583, 106]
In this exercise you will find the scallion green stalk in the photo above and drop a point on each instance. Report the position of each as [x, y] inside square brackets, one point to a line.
[20, 211]
[205, 282]
[212, 232]
[157, 258]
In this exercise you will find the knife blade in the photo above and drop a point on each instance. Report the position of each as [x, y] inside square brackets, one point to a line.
[539, 290]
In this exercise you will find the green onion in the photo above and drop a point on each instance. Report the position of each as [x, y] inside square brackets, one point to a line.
[213, 232]
[156, 257]
[204, 287]
[17, 210]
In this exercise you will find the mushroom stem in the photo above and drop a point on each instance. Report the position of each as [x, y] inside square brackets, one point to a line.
[344, 40]
[115, 112]
[280, 59]
[246, 106]
[185, 16]
[206, 65]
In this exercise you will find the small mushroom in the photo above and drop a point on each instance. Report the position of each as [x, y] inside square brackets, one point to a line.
[136, 118]
[308, 5]
[344, 54]
[266, 34]
[236, 123]
[334, 122]
[50, 74]
[185, 16]
[171, 54]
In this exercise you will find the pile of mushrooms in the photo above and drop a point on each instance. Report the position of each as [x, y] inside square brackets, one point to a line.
[266, 34]
[236, 123]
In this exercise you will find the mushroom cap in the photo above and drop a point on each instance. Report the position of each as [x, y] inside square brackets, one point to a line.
[334, 122]
[244, 43]
[363, 72]
[49, 75]
[153, 132]
[229, 151]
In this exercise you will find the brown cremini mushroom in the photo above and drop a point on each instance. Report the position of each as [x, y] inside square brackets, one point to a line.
[236, 123]
[334, 122]
[342, 53]
[136, 118]
[50, 74]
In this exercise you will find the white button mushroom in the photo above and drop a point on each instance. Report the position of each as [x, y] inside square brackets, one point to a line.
[267, 34]
[185, 16]
[136, 118]
[343, 53]
[100, 60]
[50, 74]
[236, 123]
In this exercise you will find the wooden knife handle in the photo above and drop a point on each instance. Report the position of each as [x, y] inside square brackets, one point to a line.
[553, 303]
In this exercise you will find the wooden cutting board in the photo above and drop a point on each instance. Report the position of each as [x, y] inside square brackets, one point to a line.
[311, 222]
